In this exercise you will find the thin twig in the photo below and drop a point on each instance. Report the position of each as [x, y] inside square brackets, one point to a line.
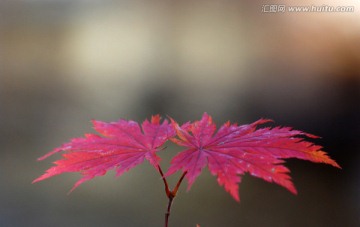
[170, 193]
[167, 214]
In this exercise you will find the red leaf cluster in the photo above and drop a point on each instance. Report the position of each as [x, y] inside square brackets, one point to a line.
[123, 146]
[234, 150]
[229, 152]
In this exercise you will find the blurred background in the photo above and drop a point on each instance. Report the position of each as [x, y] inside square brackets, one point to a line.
[65, 62]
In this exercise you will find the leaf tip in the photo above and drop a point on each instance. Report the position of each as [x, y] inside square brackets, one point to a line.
[42, 177]
[155, 119]
[34, 181]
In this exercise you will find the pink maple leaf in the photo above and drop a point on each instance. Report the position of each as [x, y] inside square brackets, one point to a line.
[123, 146]
[234, 150]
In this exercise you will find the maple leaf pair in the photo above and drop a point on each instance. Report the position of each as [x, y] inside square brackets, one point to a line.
[228, 153]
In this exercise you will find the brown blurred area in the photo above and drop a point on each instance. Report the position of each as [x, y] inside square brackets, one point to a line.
[63, 63]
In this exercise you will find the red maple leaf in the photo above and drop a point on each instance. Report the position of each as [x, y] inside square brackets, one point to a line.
[124, 146]
[234, 150]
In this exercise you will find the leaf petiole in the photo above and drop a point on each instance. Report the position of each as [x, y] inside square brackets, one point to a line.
[171, 194]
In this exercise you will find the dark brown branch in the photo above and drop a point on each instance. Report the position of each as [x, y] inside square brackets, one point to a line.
[167, 214]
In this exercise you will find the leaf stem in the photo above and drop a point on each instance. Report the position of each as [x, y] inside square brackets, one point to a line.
[171, 194]
[167, 190]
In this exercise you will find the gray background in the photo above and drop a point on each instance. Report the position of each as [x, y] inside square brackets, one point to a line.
[63, 63]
